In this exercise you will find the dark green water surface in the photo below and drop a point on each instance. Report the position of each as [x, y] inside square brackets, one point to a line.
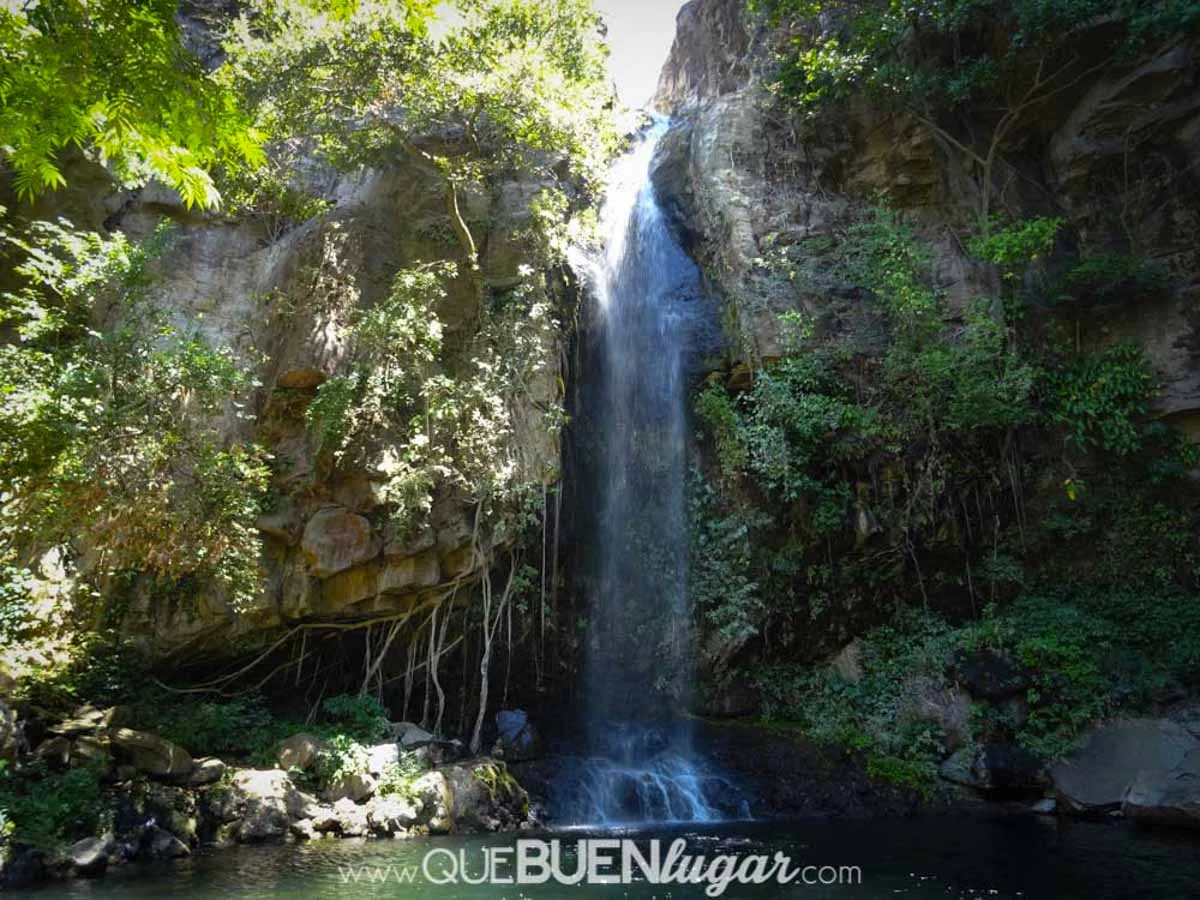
[925, 858]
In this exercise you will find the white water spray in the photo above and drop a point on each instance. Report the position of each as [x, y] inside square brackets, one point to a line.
[649, 317]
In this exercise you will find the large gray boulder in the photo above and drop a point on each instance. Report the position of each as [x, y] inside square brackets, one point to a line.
[172, 808]
[996, 767]
[150, 753]
[351, 818]
[355, 787]
[159, 843]
[393, 814]
[89, 719]
[89, 857]
[259, 805]
[300, 751]
[409, 735]
[381, 757]
[1094, 779]
[343, 817]
[1166, 797]
[474, 796]
[432, 791]
[208, 771]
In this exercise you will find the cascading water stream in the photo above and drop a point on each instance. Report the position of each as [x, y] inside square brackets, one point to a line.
[648, 321]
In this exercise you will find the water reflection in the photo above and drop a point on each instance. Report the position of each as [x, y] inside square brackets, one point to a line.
[926, 858]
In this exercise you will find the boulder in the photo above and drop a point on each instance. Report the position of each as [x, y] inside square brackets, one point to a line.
[989, 675]
[88, 720]
[299, 752]
[926, 698]
[477, 795]
[303, 830]
[381, 757]
[89, 857]
[150, 753]
[207, 771]
[393, 814]
[260, 804]
[88, 747]
[998, 767]
[351, 818]
[519, 740]
[409, 735]
[56, 751]
[1166, 796]
[430, 756]
[432, 791]
[336, 539]
[958, 768]
[355, 787]
[158, 843]
[344, 817]
[324, 819]
[1094, 779]
[171, 808]
[848, 662]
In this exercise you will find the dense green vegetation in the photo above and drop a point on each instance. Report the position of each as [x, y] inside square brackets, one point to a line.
[924, 479]
[977, 74]
[129, 453]
[50, 807]
[114, 433]
[134, 461]
[117, 83]
[979, 469]
[943, 55]
[936, 478]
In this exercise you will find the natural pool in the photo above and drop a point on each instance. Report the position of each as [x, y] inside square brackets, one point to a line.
[953, 857]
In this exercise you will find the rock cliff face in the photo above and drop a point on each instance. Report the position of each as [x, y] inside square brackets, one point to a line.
[1115, 153]
[285, 301]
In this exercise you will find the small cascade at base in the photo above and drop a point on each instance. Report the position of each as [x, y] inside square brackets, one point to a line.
[644, 775]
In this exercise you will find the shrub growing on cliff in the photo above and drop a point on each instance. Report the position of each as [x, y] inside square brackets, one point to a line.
[936, 55]
[445, 418]
[111, 450]
[515, 86]
[1002, 61]
[857, 446]
[905, 474]
[514, 91]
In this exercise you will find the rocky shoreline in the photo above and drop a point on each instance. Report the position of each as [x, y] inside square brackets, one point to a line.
[166, 805]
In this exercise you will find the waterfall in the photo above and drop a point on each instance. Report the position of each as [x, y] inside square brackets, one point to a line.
[646, 324]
